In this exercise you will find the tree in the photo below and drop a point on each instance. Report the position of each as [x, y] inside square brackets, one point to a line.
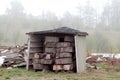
[88, 14]
[111, 14]
[16, 9]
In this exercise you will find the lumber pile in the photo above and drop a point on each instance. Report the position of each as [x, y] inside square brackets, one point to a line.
[57, 54]
[13, 56]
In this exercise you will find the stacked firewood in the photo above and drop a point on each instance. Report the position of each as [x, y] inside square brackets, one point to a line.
[57, 54]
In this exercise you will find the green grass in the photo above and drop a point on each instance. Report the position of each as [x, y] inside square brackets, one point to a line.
[23, 74]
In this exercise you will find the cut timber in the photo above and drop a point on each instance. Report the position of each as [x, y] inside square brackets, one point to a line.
[36, 55]
[63, 44]
[50, 44]
[69, 38]
[65, 55]
[48, 56]
[51, 39]
[36, 44]
[30, 61]
[36, 50]
[64, 61]
[50, 50]
[42, 61]
[36, 61]
[68, 49]
[62, 50]
[31, 56]
[38, 66]
[57, 67]
[68, 67]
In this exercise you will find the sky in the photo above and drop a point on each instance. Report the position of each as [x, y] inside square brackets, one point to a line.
[59, 7]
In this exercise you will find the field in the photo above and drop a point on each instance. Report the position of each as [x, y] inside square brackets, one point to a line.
[103, 73]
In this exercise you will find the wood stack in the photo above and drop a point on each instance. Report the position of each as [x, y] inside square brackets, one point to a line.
[57, 53]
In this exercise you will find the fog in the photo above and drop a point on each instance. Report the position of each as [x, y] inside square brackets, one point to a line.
[100, 19]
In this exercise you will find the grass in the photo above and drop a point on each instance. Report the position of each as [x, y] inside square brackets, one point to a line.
[104, 73]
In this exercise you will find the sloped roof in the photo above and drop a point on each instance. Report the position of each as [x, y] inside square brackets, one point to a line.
[61, 30]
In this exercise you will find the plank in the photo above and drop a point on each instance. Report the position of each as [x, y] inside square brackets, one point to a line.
[65, 55]
[57, 67]
[64, 61]
[68, 67]
[63, 44]
[35, 49]
[66, 49]
[69, 38]
[51, 39]
[36, 44]
[50, 44]
[50, 50]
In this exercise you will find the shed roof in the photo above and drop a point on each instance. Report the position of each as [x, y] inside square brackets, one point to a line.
[61, 30]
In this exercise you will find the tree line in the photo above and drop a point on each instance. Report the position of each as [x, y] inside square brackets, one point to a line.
[103, 28]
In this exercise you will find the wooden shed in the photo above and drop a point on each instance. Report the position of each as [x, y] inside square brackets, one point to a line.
[58, 49]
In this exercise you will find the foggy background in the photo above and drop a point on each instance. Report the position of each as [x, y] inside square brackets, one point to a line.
[100, 18]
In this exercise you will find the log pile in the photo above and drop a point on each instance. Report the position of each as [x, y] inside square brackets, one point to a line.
[57, 54]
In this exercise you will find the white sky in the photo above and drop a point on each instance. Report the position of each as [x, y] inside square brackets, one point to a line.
[59, 7]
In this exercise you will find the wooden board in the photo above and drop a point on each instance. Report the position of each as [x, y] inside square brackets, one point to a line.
[38, 66]
[63, 55]
[36, 44]
[36, 50]
[66, 49]
[68, 67]
[37, 55]
[42, 61]
[64, 61]
[50, 44]
[63, 44]
[50, 50]
[57, 67]
[69, 38]
[51, 39]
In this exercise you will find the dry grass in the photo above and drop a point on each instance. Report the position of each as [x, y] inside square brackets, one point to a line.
[22, 74]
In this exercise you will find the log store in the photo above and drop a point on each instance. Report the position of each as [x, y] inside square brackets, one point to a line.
[61, 49]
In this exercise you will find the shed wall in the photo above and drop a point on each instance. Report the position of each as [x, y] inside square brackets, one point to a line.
[80, 47]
